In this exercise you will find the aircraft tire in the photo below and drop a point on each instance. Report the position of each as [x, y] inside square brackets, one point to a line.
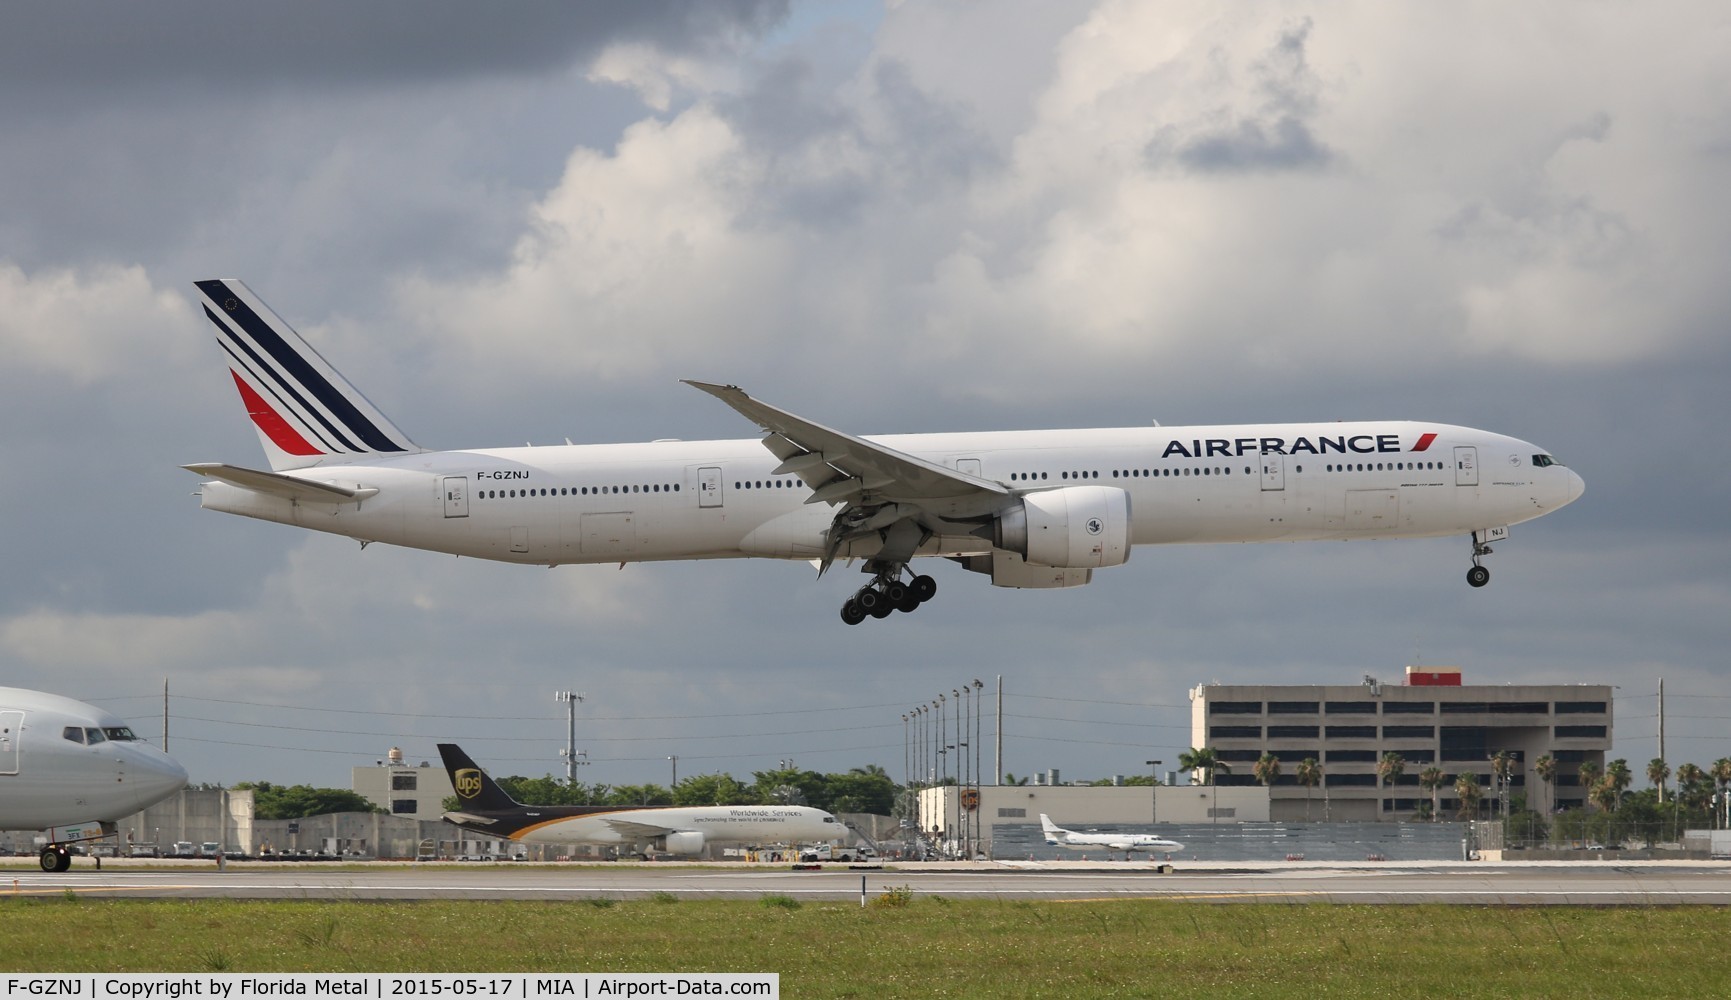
[925, 587]
[852, 613]
[909, 602]
[882, 609]
[1478, 576]
[868, 599]
[895, 591]
[54, 860]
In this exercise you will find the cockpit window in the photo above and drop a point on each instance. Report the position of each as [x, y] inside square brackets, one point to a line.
[94, 736]
[73, 733]
[123, 733]
[1544, 461]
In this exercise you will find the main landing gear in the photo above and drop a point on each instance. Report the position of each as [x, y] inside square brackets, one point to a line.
[888, 594]
[55, 859]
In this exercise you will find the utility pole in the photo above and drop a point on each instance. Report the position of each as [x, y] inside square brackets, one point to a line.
[1661, 734]
[1154, 791]
[675, 759]
[165, 714]
[570, 754]
[998, 737]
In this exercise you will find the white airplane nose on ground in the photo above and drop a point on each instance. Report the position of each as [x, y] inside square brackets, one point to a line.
[154, 776]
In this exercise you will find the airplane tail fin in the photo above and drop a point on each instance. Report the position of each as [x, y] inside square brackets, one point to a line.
[1051, 829]
[305, 412]
[475, 790]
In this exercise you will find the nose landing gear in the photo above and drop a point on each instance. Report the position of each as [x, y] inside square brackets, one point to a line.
[887, 594]
[1478, 576]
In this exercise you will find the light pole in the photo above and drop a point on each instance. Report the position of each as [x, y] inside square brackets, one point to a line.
[1153, 794]
[675, 759]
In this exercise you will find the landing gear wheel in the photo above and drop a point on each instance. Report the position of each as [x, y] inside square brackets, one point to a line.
[852, 613]
[924, 587]
[895, 592]
[1478, 576]
[909, 602]
[55, 860]
[882, 609]
[868, 599]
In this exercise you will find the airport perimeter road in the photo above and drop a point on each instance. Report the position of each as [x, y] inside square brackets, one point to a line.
[1603, 884]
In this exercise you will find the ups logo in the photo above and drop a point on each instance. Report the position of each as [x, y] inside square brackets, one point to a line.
[468, 782]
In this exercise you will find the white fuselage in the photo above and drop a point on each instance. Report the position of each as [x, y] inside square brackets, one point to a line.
[720, 499]
[1113, 841]
[64, 762]
[717, 824]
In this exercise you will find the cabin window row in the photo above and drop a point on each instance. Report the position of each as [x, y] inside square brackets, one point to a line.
[573, 491]
[767, 484]
[1382, 466]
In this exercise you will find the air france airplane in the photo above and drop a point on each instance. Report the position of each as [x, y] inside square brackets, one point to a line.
[1057, 836]
[489, 810]
[1027, 509]
[74, 770]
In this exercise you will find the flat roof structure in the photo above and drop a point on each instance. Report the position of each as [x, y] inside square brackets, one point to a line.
[1434, 720]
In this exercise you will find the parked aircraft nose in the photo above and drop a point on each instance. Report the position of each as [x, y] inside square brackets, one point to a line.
[1577, 486]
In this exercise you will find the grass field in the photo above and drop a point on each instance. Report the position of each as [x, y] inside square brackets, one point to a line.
[926, 947]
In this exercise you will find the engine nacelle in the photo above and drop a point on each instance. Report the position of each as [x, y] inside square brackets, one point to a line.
[684, 843]
[1077, 527]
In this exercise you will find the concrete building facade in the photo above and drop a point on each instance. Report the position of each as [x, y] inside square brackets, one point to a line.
[408, 791]
[1433, 720]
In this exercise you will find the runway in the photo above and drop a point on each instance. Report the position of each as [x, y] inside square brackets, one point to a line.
[1558, 883]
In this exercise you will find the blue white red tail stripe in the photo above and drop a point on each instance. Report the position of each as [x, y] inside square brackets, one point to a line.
[306, 413]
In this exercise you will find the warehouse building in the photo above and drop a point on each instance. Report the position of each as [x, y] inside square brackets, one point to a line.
[1431, 720]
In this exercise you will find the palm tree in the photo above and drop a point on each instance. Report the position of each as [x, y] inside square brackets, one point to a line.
[1204, 760]
[1721, 773]
[1267, 768]
[1546, 767]
[1617, 772]
[1309, 774]
[1431, 779]
[1657, 772]
[1468, 790]
[1690, 782]
[1589, 772]
[1388, 771]
[1604, 793]
[1503, 766]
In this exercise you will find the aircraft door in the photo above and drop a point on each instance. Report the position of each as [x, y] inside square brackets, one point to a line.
[456, 491]
[1466, 466]
[11, 729]
[1273, 472]
[709, 486]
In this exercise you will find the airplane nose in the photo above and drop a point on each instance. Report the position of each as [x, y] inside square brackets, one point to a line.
[1577, 486]
[154, 777]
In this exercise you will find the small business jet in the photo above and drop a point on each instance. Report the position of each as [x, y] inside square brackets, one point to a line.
[1027, 509]
[490, 811]
[74, 770]
[1057, 836]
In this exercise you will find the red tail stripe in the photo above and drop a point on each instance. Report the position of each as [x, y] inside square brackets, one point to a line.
[1424, 441]
[271, 422]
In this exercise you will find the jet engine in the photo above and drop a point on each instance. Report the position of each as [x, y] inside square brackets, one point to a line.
[684, 843]
[1077, 527]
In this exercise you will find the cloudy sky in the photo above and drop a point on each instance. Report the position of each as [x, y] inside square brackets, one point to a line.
[526, 225]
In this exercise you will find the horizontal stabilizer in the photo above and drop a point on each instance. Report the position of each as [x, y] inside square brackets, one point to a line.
[279, 485]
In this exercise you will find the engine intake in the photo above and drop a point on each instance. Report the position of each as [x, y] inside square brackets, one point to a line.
[1077, 527]
[690, 842]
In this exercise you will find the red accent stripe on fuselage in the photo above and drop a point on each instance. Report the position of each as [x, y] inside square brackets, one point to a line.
[1424, 441]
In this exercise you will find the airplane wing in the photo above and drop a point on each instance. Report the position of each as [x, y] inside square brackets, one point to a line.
[277, 484]
[634, 829]
[876, 487]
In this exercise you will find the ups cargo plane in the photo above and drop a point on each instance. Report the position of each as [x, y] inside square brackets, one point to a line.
[489, 810]
[1027, 509]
